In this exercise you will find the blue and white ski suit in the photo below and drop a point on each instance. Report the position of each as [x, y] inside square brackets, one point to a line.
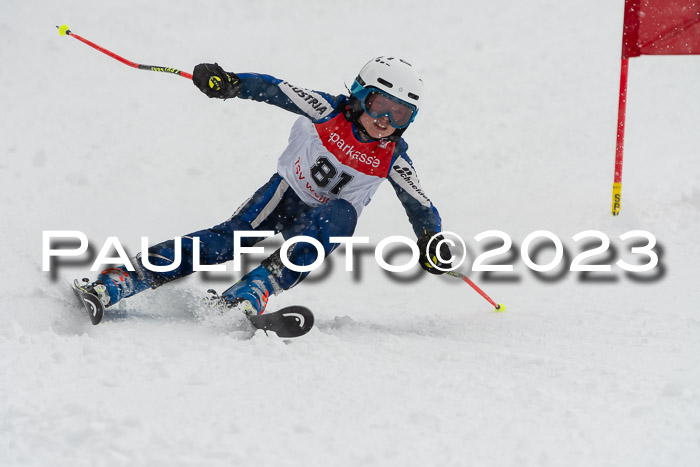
[325, 177]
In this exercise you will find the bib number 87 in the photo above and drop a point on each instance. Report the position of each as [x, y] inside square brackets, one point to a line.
[323, 172]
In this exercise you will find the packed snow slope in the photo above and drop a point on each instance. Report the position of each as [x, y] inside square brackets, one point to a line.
[516, 133]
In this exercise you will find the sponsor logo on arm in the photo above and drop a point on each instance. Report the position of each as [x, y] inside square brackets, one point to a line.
[310, 102]
[403, 174]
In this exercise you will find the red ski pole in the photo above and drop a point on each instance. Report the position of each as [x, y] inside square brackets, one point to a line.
[64, 31]
[496, 306]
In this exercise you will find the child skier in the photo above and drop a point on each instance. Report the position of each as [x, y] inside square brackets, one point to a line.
[340, 150]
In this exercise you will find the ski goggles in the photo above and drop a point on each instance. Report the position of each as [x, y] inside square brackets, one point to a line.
[378, 104]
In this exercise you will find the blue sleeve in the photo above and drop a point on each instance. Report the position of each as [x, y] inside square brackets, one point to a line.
[424, 217]
[316, 105]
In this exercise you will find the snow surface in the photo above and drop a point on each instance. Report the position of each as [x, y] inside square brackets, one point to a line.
[517, 133]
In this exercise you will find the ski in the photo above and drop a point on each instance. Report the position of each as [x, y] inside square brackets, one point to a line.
[92, 304]
[291, 321]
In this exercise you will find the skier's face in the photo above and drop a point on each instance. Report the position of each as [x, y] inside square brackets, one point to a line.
[377, 127]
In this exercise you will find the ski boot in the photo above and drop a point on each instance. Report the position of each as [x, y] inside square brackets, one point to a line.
[250, 296]
[111, 286]
[121, 283]
[251, 293]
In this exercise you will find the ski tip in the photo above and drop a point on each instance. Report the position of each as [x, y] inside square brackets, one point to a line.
[291, 321]
[500, 308]
[91, 303]
[63, 30]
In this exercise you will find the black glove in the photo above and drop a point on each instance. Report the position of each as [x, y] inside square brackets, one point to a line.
[213, 81]
[430, 251]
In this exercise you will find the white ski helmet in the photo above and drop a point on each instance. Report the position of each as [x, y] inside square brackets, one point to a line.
[394, 76]
[390, 76]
